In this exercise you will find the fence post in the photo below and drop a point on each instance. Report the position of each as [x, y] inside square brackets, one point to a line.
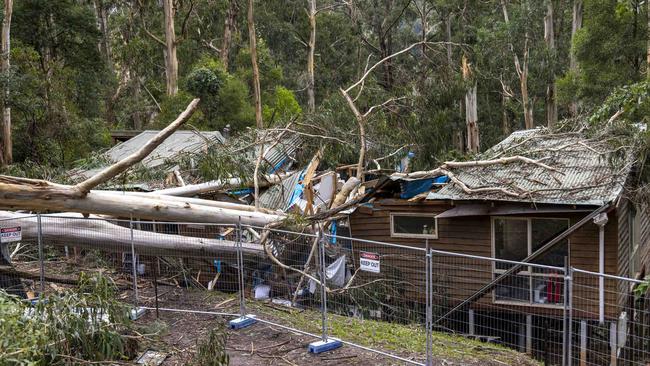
[41, 259]
[134, 269]
[429, 301]
[325, 344]
[566, 333]
[570, 342]
[323, 279]
[244, 319]
[240, 271]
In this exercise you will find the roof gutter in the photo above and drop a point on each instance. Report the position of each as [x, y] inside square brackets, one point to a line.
[518, 267]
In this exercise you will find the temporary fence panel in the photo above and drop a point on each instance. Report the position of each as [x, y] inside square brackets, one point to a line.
[372, 290]
[19, 244]
[381, 288]
[615, 331]
[523, 311]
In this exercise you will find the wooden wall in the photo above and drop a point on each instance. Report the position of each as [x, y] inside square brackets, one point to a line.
[456, 278]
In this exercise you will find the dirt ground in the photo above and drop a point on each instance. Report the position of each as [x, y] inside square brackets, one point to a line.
[176, 334]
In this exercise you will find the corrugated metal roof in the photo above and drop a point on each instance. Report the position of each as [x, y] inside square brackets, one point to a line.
[586, 175]
[179, 142]
[279, 196]
[281, 156]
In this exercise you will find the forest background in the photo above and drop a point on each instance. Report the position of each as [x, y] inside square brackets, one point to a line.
[473, 72]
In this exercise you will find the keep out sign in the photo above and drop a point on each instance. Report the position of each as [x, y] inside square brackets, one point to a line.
[9, 234]
[369, 262]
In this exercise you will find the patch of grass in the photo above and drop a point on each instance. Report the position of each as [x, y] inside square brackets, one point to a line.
[403, 339]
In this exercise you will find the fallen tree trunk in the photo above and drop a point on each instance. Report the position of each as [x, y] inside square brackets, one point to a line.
[23, 196]
[216, 185]
[195, 201]
[92, 233]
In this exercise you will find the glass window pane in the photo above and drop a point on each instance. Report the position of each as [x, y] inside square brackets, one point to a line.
[417, 225]
[543, 231]
[513, 288]
[548, 290]
[510, 241]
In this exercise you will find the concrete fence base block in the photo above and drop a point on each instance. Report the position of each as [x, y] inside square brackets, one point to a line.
[242, 322]
[324, 346]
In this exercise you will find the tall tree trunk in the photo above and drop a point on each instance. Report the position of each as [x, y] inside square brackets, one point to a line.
[5, 49]
[549, 39]
[311, 98]
[252, 38]
[171, 60]
[471, 109]
[522, 72]
[228, 30]
[505, 118]
[102, 23]
[576, 24]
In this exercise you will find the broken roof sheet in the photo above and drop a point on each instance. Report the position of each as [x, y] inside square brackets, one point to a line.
[177, 143]
[586, 174]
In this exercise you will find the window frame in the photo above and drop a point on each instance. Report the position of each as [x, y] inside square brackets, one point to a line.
[393, 234]
[528, 271]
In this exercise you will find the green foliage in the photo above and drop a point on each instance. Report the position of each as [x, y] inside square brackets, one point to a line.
[283, 106]
[212, 351]
[609, 48]
[86, 323]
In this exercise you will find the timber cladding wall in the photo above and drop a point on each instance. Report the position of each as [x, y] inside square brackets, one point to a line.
[456, 278]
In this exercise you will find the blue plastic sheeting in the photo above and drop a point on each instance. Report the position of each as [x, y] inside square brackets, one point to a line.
[411, 188]
[297, 191]
[277, 166]
[333, 228]
[241, 192]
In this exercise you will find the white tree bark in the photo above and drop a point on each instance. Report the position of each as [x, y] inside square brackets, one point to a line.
[5, 50]
[471, 110]
[75, 230]
[41, 196]
[311, 97]
[576, 24]
[171, 59]
[522, 72]
[257, 93]
[228, 30]
[549, 39]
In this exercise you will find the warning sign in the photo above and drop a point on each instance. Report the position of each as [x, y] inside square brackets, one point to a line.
[369, 262]
[10, 234]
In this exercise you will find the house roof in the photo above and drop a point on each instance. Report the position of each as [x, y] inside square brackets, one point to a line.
[584, 171]
[179, 142]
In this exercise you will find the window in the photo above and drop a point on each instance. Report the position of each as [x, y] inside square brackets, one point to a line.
[634, 221]
[516, 238]
[410, 225]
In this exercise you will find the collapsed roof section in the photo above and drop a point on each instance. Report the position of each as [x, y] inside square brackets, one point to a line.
[534, 166]
[279, 156]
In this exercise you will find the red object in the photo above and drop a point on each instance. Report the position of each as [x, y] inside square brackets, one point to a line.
[554, 289]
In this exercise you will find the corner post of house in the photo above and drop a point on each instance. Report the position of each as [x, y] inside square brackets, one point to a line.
[601, 221]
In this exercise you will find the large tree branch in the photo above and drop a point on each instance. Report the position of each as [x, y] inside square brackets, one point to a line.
[121, 166]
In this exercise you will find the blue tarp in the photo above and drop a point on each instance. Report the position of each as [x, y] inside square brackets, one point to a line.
[411, 188]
